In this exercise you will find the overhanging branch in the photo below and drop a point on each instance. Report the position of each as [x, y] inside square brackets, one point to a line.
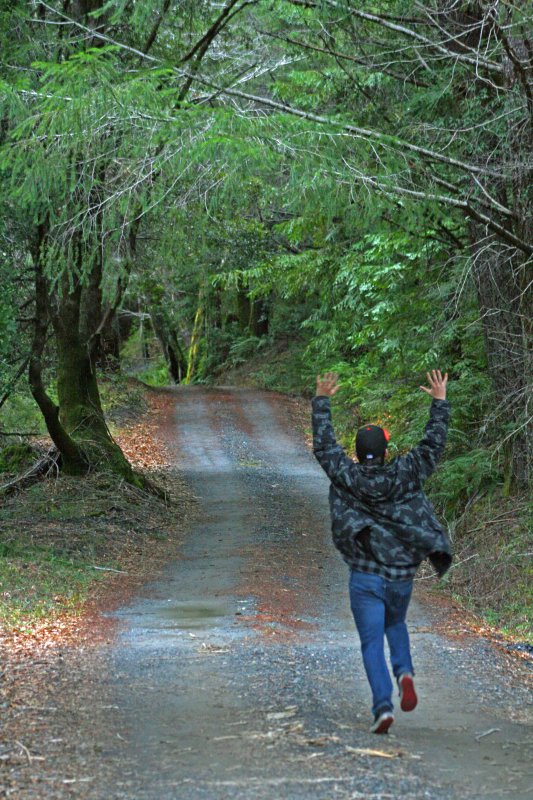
[465, 205]
[364, 133]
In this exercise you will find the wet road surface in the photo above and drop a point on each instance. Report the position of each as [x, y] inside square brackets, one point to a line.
[238, 674]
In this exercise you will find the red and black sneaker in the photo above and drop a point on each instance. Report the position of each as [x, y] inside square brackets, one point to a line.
[408, 698]
[383, 719]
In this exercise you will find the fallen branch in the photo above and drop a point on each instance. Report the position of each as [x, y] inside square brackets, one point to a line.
[367, 751]
[42, 467]
[487, 733]
[25, 750]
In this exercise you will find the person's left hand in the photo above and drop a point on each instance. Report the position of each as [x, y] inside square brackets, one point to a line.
[327, 385]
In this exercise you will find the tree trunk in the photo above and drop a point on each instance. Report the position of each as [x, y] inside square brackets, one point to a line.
[259, 318]
[175, 357]
[80, 408]
[109, 355]
[195, 339]
[243, 308]
[76, 425]
[252, 314]
[72, 457]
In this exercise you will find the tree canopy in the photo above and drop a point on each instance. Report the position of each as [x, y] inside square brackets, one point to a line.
[350, 181]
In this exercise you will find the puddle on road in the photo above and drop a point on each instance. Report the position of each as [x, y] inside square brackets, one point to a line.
[193, 615]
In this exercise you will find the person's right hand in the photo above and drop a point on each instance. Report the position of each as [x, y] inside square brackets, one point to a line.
[437, 384]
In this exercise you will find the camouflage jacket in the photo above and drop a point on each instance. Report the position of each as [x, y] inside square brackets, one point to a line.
[382, 522]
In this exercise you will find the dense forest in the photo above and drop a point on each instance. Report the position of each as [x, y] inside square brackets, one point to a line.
[259, 190]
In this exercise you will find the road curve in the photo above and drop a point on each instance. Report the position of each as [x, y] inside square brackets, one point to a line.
[237, 675]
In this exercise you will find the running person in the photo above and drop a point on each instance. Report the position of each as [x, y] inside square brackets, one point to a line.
[384, 526]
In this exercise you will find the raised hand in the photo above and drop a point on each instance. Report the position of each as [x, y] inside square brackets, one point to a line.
[328, 384]
[437, 384]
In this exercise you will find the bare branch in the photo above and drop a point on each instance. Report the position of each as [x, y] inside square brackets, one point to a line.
[153, 33]
[491, 66]
[202, 45]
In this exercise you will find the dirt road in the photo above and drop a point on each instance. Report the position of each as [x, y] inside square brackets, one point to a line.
[238, 674]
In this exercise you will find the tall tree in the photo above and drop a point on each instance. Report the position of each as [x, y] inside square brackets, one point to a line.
[92, 134]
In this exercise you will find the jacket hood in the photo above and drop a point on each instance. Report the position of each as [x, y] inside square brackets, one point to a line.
[376, 484]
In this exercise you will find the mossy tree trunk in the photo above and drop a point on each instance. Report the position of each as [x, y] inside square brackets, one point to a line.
[76, 423]
[80, 407]
[168, 337]
[195, 339]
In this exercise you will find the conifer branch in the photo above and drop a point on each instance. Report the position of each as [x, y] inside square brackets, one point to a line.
[465, 205]
[364, 133]
[201, 46]
[346, 57]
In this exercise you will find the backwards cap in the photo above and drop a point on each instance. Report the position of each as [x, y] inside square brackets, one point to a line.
[371, 443]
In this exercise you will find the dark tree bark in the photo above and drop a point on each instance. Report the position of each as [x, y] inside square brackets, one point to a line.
[110, 341]
[244, 308]
[174, 354]
[252, 314]
[76, 424]
[73, 459]
[259, 318]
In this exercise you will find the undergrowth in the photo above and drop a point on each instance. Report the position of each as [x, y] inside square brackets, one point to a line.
[60, 536]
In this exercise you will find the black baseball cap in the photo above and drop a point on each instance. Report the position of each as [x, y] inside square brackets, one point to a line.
[371, 443]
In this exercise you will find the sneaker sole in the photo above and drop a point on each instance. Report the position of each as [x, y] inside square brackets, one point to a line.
[408, 698]
[384, 725]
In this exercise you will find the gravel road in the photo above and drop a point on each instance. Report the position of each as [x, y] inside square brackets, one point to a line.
[238, 674]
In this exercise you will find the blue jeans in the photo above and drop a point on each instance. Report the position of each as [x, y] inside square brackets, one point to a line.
[379, 608]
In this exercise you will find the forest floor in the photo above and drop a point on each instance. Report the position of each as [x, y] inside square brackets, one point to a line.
[222, 662]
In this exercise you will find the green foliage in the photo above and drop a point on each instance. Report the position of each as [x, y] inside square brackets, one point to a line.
[120, 394]
[38, 582]
[20, 413]
[243, 348]
[464, 474]
[156, 374]
[279, 371]
[15, 457]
